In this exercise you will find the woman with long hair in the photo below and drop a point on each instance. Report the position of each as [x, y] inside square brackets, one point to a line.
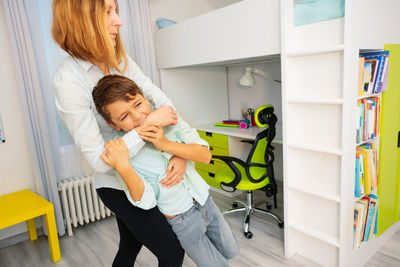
[88, 30]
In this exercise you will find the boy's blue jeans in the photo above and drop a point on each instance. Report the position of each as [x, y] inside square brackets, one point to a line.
[205, 235]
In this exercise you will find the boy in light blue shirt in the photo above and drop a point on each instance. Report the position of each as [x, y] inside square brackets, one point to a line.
[188, 207]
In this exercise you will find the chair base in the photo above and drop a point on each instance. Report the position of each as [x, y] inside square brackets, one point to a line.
[248, 208]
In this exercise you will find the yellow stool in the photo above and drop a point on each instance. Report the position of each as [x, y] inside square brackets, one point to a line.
[25, 205]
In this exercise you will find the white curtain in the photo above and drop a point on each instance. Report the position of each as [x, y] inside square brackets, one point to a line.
[37, 57]
[137, 35]
[34, 89]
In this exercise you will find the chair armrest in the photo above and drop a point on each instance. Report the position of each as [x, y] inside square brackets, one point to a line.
[231, 186]
[228, 159]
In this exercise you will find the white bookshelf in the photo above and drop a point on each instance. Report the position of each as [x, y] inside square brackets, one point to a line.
[320, 80]
[319, 72]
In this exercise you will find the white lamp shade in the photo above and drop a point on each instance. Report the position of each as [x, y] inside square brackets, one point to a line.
[247, 78]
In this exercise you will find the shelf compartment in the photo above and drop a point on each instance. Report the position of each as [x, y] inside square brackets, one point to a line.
[313, 244]
[323, 34]
[316, 214]
[318, 125]
[330, 197]
[316, 234]
[219, 36]
[315, 77]
[314, 171]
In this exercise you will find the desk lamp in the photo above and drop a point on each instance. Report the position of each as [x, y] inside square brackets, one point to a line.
[247, 78]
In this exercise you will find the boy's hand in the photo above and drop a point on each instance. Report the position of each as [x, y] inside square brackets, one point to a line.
[175, 171]
[116, 154]
[154, 133]
[165, 115]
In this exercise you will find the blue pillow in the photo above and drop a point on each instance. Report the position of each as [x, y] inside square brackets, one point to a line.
[162, 22]
[310, 11]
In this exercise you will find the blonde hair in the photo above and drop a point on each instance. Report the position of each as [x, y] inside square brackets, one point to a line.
[79, 27]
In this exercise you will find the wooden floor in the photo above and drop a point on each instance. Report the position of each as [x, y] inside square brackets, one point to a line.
[95, 245]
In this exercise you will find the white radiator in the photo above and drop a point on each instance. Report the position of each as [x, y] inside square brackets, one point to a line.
[80, 202]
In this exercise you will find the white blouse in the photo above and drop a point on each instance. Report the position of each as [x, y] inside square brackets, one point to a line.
[73, 85]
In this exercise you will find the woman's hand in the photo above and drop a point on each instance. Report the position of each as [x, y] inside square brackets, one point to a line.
[165, 115]
[175, 171]
[116, 154]
[153, 132]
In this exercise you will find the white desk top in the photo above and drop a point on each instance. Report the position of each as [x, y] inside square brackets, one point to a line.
[249, 133]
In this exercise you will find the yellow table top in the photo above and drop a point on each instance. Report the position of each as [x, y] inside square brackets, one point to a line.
[20, 206]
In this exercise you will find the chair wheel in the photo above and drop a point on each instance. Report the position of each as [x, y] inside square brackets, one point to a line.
[269, 206]
[280, 225]
[248, 234]
[235, 205]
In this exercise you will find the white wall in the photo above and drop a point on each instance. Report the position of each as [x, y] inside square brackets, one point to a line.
[15, 163]
[262, 93]
[179, 10]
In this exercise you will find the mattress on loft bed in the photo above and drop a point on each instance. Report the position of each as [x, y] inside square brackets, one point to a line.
[311, 11]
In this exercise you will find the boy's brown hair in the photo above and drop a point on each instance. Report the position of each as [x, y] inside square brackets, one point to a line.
[111, 88]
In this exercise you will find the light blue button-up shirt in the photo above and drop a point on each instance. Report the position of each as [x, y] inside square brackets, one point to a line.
[150, 164]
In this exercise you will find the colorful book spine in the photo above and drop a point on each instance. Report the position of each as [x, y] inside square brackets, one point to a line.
[357, 192]
[373, 67]
[368, 111]
[366, 178]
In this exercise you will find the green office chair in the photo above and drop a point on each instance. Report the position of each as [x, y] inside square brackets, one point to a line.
[256, 173]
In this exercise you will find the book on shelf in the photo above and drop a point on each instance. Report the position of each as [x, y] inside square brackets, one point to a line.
[374, 225]
[366, 177]
[357, 190]
[360, 75]
[365, 219]
[364, 203]
[373, 67]
[358, 211]
[368, 111]
[368, 219]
